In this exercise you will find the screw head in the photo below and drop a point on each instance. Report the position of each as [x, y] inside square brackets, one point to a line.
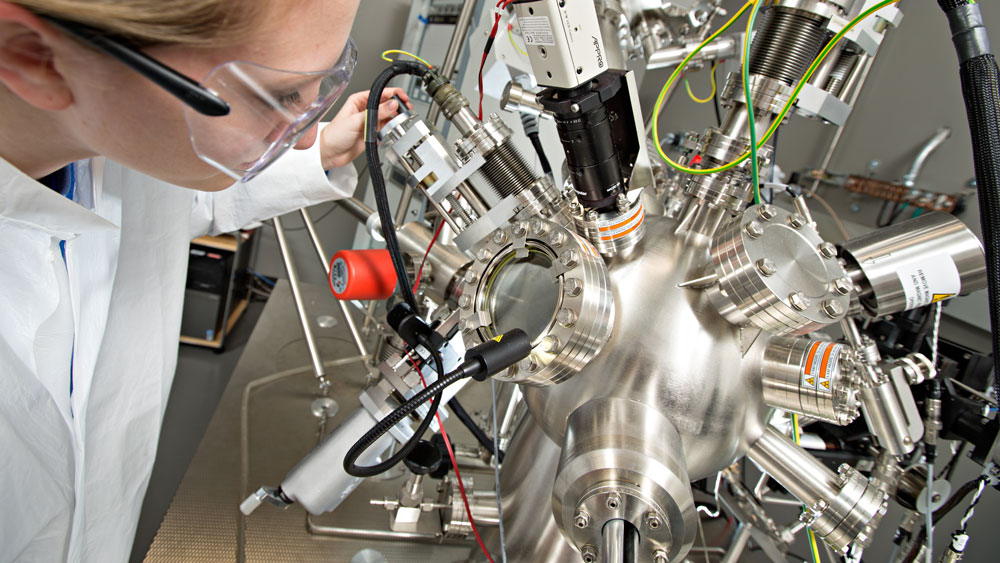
[520, 229]
[592, 216]
[614, 501]
[582, 519]
[828, 250]
[572, 287]
[767, 212]
[754, 229]
[575, 108]
[621, 202]
[660, 556]
[465, 301]
[766, 267]
[796, 221]
[557, 239]
[798, 301]
[499, 237]
[589, 554]
[653, 521]
[528, 364]
[538, 227]
[843, 286]
[551, 344]
[484, 255]
[569, 258]
[468, 325]
[833, 309]
[566, 317]
[907, 440]
[470, 277]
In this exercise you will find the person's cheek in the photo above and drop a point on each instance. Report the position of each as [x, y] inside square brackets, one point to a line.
[308, 139]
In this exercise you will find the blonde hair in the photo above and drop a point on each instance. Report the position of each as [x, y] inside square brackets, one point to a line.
[159, 22]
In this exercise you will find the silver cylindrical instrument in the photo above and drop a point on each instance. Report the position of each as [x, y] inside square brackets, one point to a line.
[812, 378]
[915, 263]
[842, 508]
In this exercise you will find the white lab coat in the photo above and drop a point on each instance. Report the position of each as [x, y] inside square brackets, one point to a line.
[75, 466]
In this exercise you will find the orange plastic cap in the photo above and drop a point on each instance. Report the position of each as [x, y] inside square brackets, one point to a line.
[362, 275]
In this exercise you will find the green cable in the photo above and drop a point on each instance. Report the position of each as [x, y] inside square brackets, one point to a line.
[755, 168]
[795, 93]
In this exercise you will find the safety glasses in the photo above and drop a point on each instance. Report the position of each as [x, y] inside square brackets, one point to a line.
[242, 116]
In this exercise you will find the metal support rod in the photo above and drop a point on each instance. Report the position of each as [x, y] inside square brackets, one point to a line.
[738, 544]
[293, 280]
[613, 536]
[357, 208]
[866, 67]
[454, 49]
[379, 535]
[318, 245]
[404, 205]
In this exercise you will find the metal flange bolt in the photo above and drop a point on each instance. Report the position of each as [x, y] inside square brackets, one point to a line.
[653, 521]
[660, 556]
[499, 237]
[798, 301]
[582, 519]
[766, 267]
[572, 287]
[767, 212]
[614, 501]
[484, 255]
[843, 286]
[754, 229]
[833, 309]
[589, 554]
[828, 250]
[797, 221]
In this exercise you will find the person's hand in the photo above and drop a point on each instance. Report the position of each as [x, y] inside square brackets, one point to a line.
[344, 138]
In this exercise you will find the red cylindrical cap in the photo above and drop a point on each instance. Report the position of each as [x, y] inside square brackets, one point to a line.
[362, 274]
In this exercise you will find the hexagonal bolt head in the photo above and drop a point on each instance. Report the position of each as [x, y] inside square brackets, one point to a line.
[843, 286]
[797, 221]
[582, 519]
[621, 202]
[592, 216]
[566, 317]
[614, 501]
[660, 556]
[551, 344]
[527, 364]
[653, 521]
[798, 301]
[468, 325]
[499, 237]
[484, 255]
[470, 277]
[557, 239]
[538, 227]
[833, 309]
[572, 287]
[589, 554]
[767, 212]
[520, 229]
[754, 229]
[465, 301]
[828, 249]
[569, 258]
[766, 267]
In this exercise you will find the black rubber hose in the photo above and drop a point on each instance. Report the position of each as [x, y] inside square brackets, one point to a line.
[378, 181]
[480, 435]
[981, 90]
[540, 151]
[433, 390]
[940, 513]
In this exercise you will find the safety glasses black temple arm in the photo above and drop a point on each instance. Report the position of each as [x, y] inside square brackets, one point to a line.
[184, 88]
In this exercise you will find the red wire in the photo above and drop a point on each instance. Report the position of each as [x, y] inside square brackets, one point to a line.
[420, 271]
[501, 5]
[454, 464]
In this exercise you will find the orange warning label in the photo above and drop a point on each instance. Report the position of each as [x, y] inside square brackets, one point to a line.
[820, 365]
[941, 297]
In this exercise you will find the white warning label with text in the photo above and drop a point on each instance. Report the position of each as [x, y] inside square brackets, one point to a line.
[929, 280]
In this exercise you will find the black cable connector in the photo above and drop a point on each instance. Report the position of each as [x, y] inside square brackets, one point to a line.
[481, 362]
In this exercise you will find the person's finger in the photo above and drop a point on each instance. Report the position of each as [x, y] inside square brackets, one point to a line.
[395, 91]
[357, 100]
[387, 111]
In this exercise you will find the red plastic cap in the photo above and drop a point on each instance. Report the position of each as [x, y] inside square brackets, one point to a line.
[362, 275]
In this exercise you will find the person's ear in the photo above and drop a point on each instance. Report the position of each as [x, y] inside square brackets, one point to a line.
[27, 63]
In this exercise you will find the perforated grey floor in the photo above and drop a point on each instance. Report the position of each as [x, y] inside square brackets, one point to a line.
[203, 524]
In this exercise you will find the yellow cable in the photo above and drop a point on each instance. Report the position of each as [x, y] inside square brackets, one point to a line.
[401, 52]
[791, 101]
[812, 536]
[696, 98]
[510, 34]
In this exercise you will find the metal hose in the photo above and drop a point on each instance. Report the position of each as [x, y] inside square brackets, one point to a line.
[981, 89]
